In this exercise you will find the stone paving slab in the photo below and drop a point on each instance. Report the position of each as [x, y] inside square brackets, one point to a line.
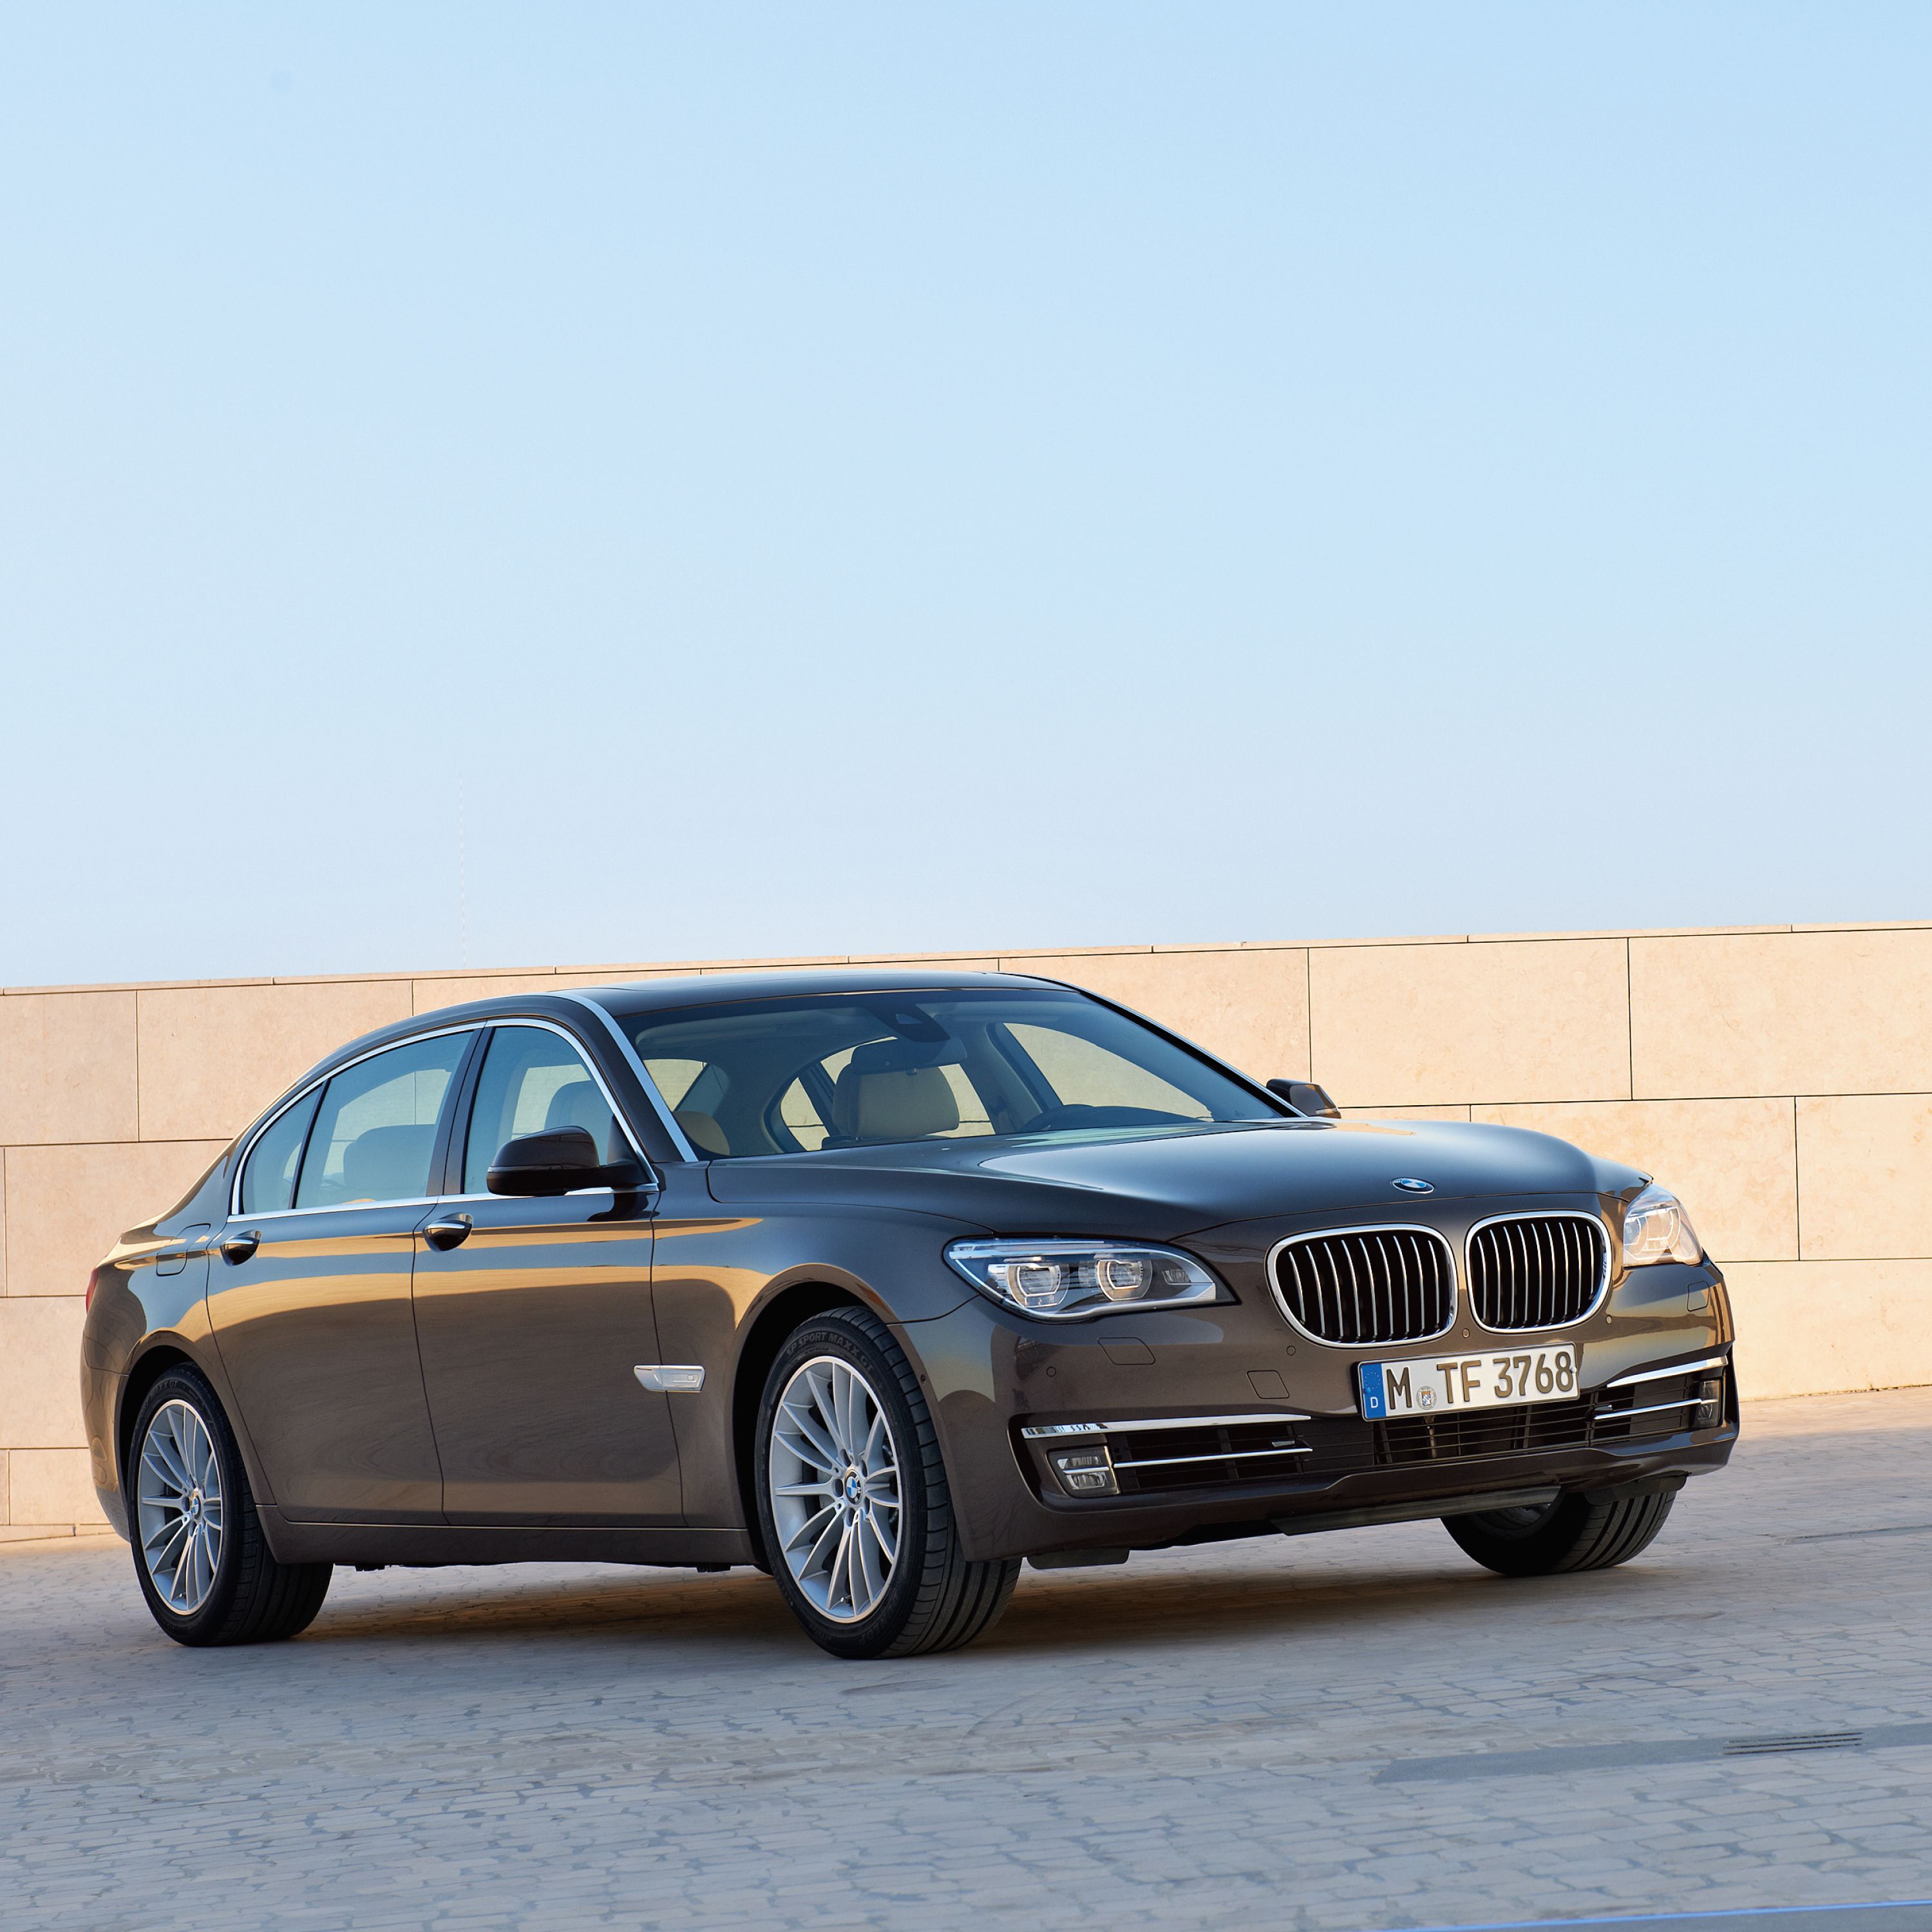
[1213, 1738]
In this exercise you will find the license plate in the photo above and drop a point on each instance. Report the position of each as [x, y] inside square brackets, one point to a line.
[1435, 1385]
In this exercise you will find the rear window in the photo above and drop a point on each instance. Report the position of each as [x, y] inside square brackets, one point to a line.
[375, 1132]
[269, 1180]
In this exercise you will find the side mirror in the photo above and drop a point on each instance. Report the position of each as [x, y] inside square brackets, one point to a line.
[1304, 1096]
[554, 1162]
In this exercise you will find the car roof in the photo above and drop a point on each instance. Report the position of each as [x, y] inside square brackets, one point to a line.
[709, 989]
[661, 993]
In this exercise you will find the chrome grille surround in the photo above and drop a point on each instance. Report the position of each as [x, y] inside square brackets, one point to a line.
[1355, 1288]
[1526, 1271]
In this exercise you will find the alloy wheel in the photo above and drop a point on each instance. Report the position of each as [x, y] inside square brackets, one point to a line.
[179, 1507]
[835, 1489]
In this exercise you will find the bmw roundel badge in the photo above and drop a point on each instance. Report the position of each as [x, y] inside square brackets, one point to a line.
[1415, 1186]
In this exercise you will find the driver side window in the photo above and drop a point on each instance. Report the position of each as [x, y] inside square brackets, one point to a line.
[533, 1080]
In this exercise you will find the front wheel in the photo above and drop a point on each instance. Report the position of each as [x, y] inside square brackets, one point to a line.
[1577, 1532]
[853, 1503]
[204, 1566]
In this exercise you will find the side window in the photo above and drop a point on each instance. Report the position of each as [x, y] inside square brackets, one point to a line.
[533, 1080]
[375, 1130]
[269, 1180]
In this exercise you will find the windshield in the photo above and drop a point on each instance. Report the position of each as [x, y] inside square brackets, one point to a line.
[853, 1070]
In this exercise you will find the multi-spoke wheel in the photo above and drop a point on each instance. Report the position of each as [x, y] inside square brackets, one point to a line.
[178, 1506]
[835, 1481]
[204, 1565]
[853, 1507]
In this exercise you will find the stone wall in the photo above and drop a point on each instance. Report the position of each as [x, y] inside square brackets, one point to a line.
[1779, 1078]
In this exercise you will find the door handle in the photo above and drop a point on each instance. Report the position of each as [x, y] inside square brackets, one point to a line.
[444, 1235]
[237, 1248]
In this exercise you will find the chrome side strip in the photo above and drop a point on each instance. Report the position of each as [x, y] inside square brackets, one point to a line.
[1674, 1368]
[1158, 1422]
[1238, 1456]
[1655, 1409]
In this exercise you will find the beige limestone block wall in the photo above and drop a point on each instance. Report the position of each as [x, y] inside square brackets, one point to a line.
[1779, 1077]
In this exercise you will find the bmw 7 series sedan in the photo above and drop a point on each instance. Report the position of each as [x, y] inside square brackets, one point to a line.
[883, 1282]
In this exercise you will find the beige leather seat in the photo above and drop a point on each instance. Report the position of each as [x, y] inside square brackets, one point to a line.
[898, 1106]
[702, 1131]
[578, 1103]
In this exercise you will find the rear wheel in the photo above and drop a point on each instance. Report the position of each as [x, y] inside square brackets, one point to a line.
[204, 1565]
[852, 1501]
[1579, 1531]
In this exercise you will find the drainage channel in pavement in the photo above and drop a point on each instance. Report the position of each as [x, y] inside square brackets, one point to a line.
[1902, 1914]
[1553, 1760]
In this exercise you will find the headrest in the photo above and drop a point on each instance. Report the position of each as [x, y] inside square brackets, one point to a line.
[387, 1163]
[702, 1131]
[897, 1056]
[578, 1104]
[892, 1106]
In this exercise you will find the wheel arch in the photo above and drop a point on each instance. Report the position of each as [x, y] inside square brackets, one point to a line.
[147, 1369]
[792, 1305]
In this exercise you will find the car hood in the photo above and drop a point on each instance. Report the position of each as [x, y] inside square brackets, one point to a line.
[1168, 1183]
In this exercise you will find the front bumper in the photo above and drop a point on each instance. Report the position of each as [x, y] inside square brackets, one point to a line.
[1300, 1451]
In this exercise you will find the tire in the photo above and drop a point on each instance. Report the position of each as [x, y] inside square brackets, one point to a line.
[1578, 1532]
[203, 1562]
[860, 1586]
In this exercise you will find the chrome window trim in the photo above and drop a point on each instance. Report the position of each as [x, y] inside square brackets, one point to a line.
[332, 1207]
[1545, 1214]
[426, 1200]
[1674, 1369]
[1359, 1349]
[302, 1094]
[569, 1194]
[1058, 1429]
[666, 1118]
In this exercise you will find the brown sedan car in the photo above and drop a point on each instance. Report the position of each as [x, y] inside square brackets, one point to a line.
[882, 1282]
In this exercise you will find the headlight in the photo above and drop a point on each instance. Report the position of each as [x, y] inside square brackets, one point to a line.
[1656, 1228]
[1060, 1279]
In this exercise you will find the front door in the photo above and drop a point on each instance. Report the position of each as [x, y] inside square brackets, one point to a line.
[310, 1293]
[534, 1317]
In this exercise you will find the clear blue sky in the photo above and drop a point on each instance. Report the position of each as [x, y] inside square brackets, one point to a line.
[704, 481]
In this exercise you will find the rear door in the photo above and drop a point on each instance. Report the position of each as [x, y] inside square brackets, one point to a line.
[309, 1294]
[534, 1315]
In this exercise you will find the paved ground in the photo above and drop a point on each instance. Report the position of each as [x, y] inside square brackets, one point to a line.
[1266, 1735]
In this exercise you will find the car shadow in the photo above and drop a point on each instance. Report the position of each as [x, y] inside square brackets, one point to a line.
[1142, 1604]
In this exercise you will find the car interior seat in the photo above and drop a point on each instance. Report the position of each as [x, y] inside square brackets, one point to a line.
[894, 1105]
[387, 1164]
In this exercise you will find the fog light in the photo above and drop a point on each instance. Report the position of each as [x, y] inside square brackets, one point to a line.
[1710, 1409]
[1084, 1472]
